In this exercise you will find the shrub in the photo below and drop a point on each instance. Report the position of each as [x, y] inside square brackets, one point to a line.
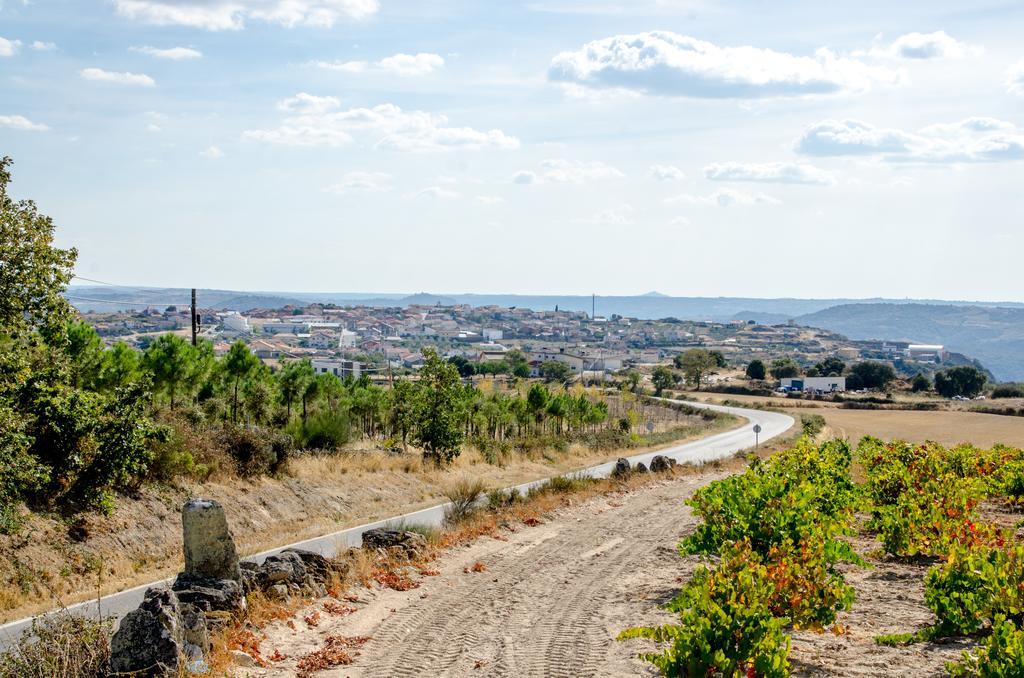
[255, 451]
[59, 645]
[801, 494]
[323, 431]
[1008, 391]
[974, 587]
[1001, 655]
[725, 624]
[812, 424]
[463, 496]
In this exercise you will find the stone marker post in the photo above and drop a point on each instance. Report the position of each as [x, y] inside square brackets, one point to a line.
[209, 548]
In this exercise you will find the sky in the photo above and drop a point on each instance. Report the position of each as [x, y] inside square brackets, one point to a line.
[693, 147]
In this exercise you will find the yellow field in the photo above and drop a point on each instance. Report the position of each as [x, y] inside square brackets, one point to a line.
[948, 428]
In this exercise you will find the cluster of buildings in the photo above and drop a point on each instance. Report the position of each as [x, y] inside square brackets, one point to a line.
[352, 341]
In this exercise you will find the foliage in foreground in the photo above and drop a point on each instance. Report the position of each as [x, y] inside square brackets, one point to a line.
[778, 531]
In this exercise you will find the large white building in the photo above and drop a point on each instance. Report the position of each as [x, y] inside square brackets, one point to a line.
[823, 384]
[339, 368]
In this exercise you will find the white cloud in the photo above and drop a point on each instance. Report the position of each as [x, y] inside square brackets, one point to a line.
[560, 170]
[308, 103]
[20, 122]
[40, 46]
[667, 172]
[153, 127]
[374, 182]
[438, 193]
[217, 15]
[315, 122]
[851, 137]
[621, 215]
[769, 172]
[679, 221]
[937, 45]
[972, 140]
[1015, 79]
[524, 177]
[724, 197]
[212, 153]
[668, 64]
[173, 53]
[9, 47]
[490, 199]
[100, 75]
[406, 65]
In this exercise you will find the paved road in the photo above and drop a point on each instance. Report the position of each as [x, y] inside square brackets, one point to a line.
[708, 449]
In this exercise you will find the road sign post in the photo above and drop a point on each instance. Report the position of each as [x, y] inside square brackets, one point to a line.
[757, 432]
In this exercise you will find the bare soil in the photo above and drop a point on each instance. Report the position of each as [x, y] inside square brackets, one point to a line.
[549, 600]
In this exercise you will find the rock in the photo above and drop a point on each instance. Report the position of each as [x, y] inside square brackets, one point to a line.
[318, 568]
[209, 548]
[278, 592]
[661, 463]
[242, 659]
[285, 567]
[640, 468]
[153, 639]
[621, 468]
[209, 594]
[409, 543]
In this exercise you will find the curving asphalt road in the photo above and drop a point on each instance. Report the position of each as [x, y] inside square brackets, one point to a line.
[718, 446]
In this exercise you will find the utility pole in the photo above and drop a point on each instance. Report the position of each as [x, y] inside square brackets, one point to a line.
[593, 305]
[193, 316]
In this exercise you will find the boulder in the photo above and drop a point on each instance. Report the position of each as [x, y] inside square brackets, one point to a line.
[318, 568]
[408, 543]
[640, 468]
[284, 568]
[209, 548]
[156, 637]
[621, 468]
[209, 594]
[661, 463]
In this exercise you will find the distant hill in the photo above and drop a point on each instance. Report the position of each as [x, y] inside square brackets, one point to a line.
[992, 334]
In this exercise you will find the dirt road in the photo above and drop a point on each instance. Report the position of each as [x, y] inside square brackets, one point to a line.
[553, 598]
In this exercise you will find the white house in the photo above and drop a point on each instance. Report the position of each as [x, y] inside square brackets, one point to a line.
[339, 368]
[823, 384]
[324, 339]
[493, 334]
[232, 321]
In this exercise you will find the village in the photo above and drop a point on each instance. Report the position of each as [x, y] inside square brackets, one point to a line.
[380, 342]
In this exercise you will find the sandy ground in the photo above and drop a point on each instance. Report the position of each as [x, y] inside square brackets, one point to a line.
[553, 597]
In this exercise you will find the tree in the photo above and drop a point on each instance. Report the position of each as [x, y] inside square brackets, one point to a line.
[831, 367]
[696, 364]
[171, 362]
[554, 370]
[873, 374]
[120, 366]
[756, 370]
[663, 378]
[291, 381]
[466, 369]
[784, 368]
[633, 379]
[439, 420]
[966, 381]
[33, 273]
[237, 364]
[85, 350]
[719, 357]
[920, 383]
[403, 403]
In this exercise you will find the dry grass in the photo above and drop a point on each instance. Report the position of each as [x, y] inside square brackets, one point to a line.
[463, 495]
[947, 428]
[62, 645]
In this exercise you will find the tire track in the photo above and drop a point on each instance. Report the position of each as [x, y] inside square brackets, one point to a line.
[540, 609]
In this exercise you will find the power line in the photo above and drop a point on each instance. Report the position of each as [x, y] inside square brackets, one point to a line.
[98, 282]
[123, 302]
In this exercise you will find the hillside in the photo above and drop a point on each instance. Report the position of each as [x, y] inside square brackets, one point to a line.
[992, 334]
